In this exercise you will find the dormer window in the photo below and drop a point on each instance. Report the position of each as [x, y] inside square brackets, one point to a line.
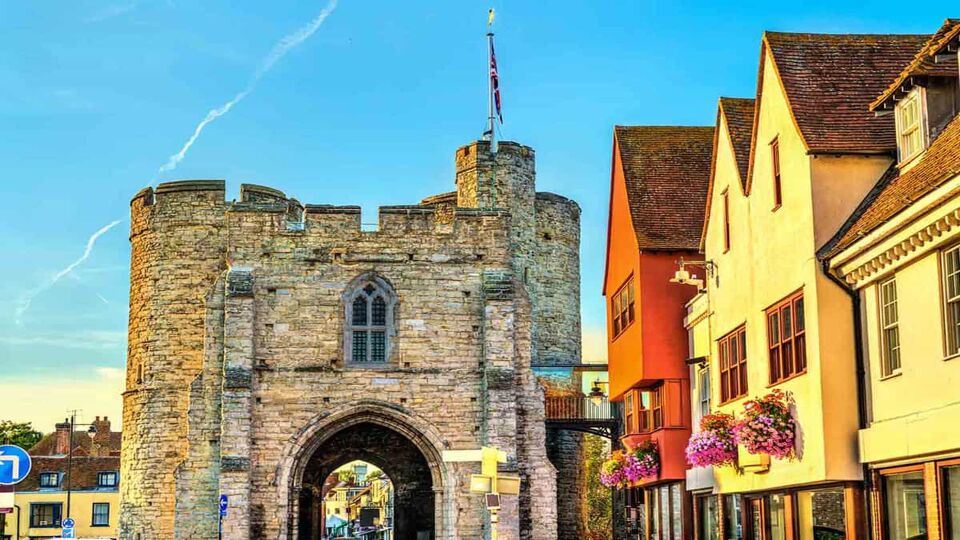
[910, 132]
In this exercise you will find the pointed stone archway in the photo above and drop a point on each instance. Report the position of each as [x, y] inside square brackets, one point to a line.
[402, 445]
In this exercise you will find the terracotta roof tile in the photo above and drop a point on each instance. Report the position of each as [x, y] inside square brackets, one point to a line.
[739, 113]
[895, 192]
[830, 80]
[925, 63]
[666, 169]
[85, 471]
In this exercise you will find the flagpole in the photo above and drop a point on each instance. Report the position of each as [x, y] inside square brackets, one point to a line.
[490, 98]
[491, 111]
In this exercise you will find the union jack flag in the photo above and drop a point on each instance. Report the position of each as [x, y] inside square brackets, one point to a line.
[495, 82]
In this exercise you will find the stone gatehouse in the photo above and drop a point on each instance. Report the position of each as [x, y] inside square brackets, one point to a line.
[271, 342]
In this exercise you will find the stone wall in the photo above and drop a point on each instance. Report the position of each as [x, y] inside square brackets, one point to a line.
[236, 361]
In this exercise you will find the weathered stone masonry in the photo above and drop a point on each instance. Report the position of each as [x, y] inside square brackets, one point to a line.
[236, 373]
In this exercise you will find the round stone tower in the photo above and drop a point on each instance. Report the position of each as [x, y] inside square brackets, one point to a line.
[176, 255]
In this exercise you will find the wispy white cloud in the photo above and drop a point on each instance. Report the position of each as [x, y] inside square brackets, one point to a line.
[282, 47]
[88, 340]
[27, 299]
[111, 11]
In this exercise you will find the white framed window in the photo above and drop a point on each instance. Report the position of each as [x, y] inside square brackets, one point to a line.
[951, 299]
[703, 390]
[889, 328]
[909, 119]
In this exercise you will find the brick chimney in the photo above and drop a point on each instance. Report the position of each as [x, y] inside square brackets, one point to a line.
[63, 438]
[101, 440]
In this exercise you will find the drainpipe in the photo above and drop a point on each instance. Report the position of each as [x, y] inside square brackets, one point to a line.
[859, 362]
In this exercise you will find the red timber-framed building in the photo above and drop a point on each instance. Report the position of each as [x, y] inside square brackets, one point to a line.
[658, 190]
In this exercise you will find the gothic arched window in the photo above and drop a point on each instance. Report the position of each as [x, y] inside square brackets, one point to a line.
[369, 321]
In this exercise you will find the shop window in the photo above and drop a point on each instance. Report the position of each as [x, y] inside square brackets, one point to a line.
[776, 517]
[707, 528]
[951, 501]
[732, 514]
[45, 515]
[905, 506]
[786, 337]
[821, 514]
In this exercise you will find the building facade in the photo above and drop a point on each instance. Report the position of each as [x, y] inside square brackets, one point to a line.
[779, 323]
[83, 484]
[899, 258]
[270, 342]
[658, 190]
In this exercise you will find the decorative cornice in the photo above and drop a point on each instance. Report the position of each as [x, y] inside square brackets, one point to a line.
[880, 262]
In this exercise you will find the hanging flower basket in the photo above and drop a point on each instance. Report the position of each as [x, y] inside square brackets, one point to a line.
[767, 426]
[714, 444]
[625, 468]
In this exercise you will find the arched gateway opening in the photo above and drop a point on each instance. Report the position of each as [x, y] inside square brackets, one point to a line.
[378, 437]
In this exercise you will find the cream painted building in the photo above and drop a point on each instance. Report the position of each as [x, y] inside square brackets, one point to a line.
[785, 177]
[899, 254]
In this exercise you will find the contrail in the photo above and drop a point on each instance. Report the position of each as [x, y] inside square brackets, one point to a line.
[282, 47]
[28, 298]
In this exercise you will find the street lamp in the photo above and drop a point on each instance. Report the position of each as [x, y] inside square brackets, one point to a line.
[596, 394]
[91, 432]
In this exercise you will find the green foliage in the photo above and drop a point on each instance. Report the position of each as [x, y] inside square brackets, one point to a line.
[599, 497]
[21, 434]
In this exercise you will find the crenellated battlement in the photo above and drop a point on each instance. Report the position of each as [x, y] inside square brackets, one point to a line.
[270, 210]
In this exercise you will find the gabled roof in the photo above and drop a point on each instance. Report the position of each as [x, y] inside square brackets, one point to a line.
[82, 444]
[666, 170]
[924, 64]
[896, 192]
[830, 81]
[739, 114]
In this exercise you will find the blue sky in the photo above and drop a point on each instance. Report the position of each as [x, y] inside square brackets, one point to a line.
[95, 96]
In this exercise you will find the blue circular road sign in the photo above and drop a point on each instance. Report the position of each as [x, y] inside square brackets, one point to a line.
[14, 464]
[69, 523]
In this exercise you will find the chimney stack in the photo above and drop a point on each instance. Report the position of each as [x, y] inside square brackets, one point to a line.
[101, 439]
[63, 438]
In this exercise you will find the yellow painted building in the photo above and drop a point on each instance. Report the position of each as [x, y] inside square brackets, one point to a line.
[785, 177]
[86, 464]
[899, 254]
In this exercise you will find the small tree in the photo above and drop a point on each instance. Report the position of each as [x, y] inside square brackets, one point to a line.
[599, 500]
[21, 434]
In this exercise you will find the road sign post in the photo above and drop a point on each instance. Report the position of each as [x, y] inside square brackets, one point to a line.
[15, 464]
[224, 503]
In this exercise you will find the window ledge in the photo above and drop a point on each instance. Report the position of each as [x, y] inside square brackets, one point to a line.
[790, 378]
[951, 357]
[893, 375]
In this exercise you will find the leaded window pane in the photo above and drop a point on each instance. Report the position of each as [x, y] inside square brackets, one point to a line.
[379, 312]
[378, 346]
[359, 346]
[360, 311]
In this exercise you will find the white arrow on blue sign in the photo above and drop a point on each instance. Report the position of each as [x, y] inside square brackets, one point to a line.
[15, 464]
[69, 523]
[223, 505]
[68, 532]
